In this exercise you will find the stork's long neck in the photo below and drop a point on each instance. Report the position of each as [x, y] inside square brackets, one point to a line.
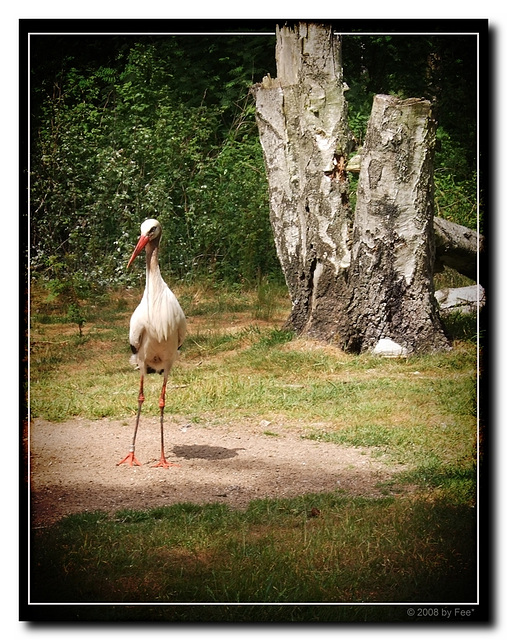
[154, 282]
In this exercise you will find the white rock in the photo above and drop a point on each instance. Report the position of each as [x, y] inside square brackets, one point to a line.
[389, 349]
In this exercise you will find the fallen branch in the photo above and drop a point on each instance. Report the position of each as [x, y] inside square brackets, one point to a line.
[456, 247]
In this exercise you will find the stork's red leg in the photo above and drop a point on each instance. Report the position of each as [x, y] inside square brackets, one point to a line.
[130, 457]
[161, 403]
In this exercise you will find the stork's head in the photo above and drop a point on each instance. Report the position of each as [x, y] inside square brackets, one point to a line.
[150, 230]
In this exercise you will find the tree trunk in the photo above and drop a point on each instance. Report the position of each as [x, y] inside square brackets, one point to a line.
[391, 272]
[302, 121]
[350, 282]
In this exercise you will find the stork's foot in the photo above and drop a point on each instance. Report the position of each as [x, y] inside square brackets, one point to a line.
[130, 459]
[164, 463]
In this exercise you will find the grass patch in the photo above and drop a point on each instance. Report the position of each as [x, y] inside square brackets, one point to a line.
[356, 550]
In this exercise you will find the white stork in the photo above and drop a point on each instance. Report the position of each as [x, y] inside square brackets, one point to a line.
[157, 329]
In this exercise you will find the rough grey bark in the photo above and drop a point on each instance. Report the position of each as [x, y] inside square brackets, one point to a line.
[302, 121]
[357, 280]
[456, 246]
[391, 279]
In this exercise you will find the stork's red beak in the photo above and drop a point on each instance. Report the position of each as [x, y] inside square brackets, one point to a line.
[141, 243]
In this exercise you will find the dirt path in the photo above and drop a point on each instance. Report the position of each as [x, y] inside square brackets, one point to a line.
[73, 466]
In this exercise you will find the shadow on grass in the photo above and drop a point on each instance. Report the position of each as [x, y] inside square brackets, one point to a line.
[190, 563]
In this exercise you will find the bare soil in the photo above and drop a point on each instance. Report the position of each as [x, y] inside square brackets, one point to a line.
[73, 466]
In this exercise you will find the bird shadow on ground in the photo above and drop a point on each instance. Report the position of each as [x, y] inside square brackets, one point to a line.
[205, 451]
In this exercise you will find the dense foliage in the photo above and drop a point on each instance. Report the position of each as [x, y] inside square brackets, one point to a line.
[154, 133]
[125, 128]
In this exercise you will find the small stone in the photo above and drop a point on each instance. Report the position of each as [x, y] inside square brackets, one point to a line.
[389, 349]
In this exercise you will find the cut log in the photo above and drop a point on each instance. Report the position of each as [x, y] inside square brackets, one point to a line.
[456, 247]
[463, 299]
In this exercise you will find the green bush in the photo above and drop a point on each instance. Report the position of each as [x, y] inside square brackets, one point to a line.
[116, 146]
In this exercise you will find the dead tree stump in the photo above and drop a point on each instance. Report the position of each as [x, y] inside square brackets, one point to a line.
[352, 279]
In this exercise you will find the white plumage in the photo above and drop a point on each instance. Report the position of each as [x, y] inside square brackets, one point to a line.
[157, 327]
